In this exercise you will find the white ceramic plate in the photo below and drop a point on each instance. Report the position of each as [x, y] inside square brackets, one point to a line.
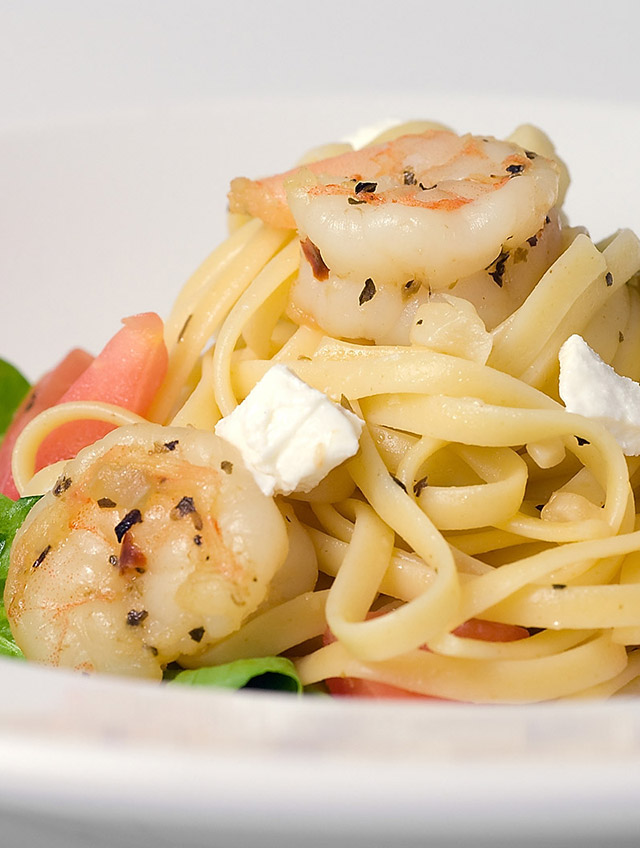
[107, 218]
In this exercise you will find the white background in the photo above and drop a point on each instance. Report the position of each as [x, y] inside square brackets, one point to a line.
[71, 57]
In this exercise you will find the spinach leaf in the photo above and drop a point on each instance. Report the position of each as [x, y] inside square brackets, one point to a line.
[275, 673]
[13, 388]
[12, 514]
[8, 647]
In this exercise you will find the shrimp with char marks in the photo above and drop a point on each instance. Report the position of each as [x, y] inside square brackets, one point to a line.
[382, 227]
[157, 544]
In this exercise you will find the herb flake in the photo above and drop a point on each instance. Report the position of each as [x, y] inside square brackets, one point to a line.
[131, 518]
[367, 188]
[367, 292]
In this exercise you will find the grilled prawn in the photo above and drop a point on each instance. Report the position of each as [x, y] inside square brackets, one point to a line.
[383, 226]
[155, 543]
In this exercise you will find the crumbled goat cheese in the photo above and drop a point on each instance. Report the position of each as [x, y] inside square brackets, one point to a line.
[290, 435]
[590, 387]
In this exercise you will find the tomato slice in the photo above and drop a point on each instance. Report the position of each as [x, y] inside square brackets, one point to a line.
[475, 628]
[127, 373]
[47, 392]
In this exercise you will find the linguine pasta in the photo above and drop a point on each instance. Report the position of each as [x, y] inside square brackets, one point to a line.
[475, 494]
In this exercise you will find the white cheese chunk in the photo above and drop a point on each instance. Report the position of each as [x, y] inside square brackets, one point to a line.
[590, 387]
[290, 435]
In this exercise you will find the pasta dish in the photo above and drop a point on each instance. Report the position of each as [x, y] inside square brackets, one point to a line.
[388, 436]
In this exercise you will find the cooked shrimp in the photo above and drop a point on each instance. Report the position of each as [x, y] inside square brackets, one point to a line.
[421, 212]
[155, 543]
[350, 308]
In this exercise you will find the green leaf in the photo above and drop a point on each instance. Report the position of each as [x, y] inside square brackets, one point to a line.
[13, 388]
[12, 514]
[8, 647]
[275, 673]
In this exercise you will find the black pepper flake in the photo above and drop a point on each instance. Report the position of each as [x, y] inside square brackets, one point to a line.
[410, 287]
[497, 275]
[197, 633]
[153, 649]
[558, 585]
[409, 177]
[419, 321]
[226, 466]
[533, 241]
[530, 154]
[171, 446]
[184, 328]
[312, 254]
[41, 556]
[136, 617]
[609, 278]
[186, 506]
[367, 292]
[113, 560]
[582, 441]
[515, 169]
[427, 188]
[30, 402]
[547, 219]
[368, 188]
[620, 336]
[419, 485]
[398, 482]
[106, 503]
[62, 484]
[287, 519]
[132, 517]
[197, 539]
[354, 201]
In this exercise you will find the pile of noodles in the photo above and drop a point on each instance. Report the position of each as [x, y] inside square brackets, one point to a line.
[475, 494]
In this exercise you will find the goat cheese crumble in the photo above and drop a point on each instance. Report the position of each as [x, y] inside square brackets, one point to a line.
[590, 387]
[289, 434]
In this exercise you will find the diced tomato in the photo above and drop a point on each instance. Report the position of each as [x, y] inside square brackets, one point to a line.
[127, 373]
[475, 628]
[47, 392]
[355, 687]
[490, 631]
